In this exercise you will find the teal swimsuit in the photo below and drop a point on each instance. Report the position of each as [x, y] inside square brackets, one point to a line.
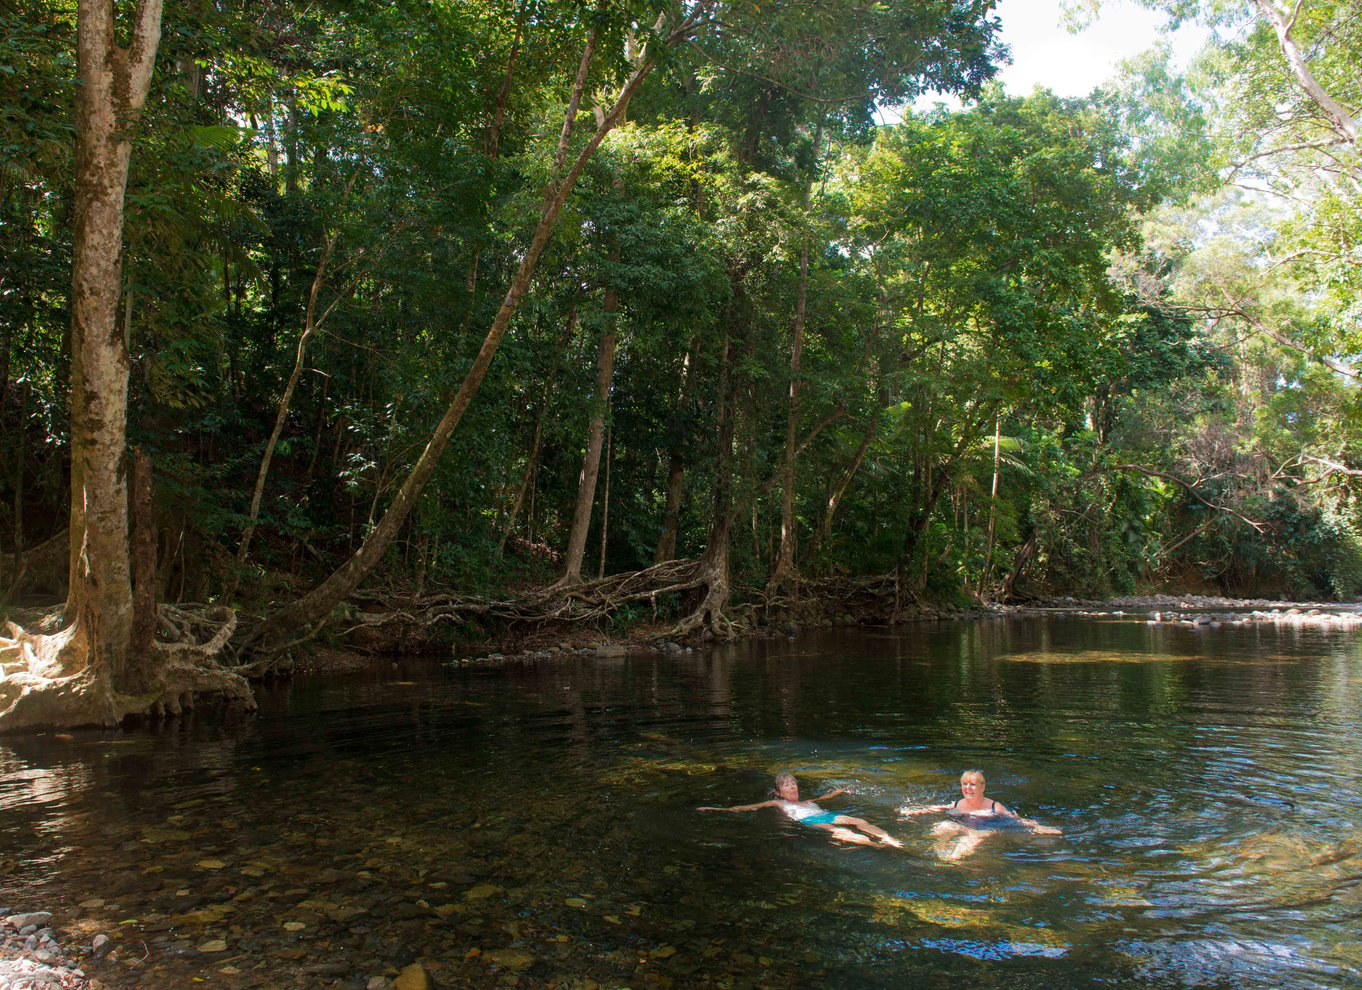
[827, 818]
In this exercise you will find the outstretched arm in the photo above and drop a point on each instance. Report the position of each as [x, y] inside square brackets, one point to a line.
[743, 807]
[1034, 826]
[908, 811]
[832, 793]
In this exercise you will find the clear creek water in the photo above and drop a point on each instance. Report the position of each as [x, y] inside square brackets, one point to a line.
[536, 825]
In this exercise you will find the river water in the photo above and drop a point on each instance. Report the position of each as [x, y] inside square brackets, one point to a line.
[536, 825]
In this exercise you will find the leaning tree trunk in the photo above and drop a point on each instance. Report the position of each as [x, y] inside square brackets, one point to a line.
[299, 621]
[310, 326]
[839, 489]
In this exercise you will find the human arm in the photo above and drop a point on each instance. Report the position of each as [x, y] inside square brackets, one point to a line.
[832, 793]
[743, 807]
[1034, 826]
[908, 811]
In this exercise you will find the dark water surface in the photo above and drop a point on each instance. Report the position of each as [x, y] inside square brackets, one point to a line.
[536, 825]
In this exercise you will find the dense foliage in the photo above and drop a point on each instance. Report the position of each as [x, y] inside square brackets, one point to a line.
[1027, 356]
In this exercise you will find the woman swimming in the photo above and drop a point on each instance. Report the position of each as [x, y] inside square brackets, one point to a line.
[972, 817]
[809, 813]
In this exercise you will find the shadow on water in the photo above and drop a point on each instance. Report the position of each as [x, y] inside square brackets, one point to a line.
[536, 825]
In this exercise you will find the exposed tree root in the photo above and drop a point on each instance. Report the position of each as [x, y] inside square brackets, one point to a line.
[395, 620]
[44, 682]
[709, 619]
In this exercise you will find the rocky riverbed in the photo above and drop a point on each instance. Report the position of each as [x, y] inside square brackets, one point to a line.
[425, 896]
[34, 956]
[1199, 610]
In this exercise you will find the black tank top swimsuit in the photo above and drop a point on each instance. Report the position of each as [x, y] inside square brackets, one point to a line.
[980, 821]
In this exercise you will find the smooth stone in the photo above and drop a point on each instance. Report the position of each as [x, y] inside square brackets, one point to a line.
[37, 919]
[516, 960]
[338, 968]
[413, 977]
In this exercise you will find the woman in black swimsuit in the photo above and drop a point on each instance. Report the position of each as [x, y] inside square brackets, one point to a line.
[972, 817]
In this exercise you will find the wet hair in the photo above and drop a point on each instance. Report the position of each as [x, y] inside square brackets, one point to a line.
[781, 777]
[976, 775]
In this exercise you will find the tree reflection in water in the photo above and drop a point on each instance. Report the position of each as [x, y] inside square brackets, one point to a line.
[537, 823]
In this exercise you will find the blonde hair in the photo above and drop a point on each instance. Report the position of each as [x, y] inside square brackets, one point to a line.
[975, 775]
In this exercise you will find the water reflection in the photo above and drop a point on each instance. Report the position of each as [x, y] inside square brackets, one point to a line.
[537, 822]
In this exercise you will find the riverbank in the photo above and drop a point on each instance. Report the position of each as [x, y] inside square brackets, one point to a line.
[35, 956]
[1188, 610]
[1201, 609]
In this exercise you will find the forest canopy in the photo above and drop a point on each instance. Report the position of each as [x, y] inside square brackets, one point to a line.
[484, 295]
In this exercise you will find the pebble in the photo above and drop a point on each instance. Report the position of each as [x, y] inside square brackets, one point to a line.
[31, 922]
[31, 958]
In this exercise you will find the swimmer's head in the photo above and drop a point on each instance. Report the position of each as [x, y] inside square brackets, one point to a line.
[973, 777]
[786, 784]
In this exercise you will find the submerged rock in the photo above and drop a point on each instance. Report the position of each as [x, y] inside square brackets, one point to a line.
[413, 977]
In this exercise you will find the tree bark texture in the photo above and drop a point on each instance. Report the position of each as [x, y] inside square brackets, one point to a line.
[113, 88]
[709, 616]
[783, 570]
[1283, 25]
[144, 570]
[595, 439]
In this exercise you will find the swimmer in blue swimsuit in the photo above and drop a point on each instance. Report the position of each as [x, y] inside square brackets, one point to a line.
[971, 818]
[809, 813]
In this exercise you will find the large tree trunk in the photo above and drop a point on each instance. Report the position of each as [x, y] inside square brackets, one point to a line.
[1282, 24]
[595, 439]
[709, 617]
[113, 88]
[783, 571]
[301, 620]
[87, 673]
